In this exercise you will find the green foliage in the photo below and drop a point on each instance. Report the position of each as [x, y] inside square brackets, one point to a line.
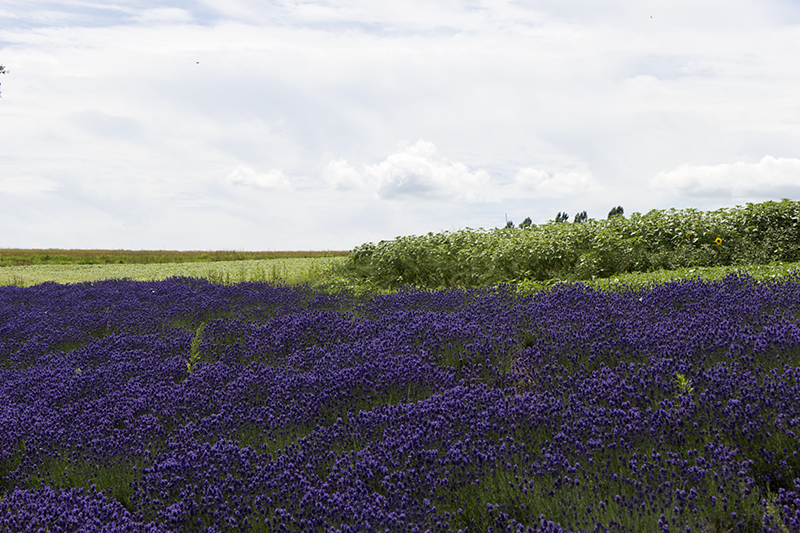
[658, 240]
[616, 212]
[194, 350]
[115, 475]
[627, 281]
[683, 384]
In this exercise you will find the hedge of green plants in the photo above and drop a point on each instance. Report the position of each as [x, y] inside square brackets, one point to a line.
[660, 239]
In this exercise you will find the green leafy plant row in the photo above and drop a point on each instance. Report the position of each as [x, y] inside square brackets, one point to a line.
[658, 240]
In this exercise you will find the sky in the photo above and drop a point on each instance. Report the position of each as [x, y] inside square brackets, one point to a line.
[321, 125]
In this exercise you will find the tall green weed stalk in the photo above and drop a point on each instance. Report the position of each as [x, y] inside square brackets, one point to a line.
[194, 349]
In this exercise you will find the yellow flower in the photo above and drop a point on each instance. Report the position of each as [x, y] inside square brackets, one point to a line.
[718, 241]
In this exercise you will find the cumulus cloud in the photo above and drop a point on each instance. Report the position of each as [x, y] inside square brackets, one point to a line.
[247, 177]
[342, 176]
[769, 177]
[416, 171]
[539, 184]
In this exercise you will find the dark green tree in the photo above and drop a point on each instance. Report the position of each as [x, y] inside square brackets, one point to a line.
[580, 217]
[562, 217]
[510, 224]
[616, 212]
[526, 223]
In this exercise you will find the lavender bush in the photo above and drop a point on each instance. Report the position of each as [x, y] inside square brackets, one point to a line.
[182, 405]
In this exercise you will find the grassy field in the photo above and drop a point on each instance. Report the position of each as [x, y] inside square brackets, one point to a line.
[286, 270]
[326, 272]
[52, 256]
[646, 279]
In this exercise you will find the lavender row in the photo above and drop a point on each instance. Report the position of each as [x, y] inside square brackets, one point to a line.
[187, 406]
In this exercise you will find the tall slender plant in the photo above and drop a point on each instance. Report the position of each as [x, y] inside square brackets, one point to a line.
[194, 349]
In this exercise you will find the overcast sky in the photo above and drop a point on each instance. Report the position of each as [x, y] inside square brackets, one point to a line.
[321, 125]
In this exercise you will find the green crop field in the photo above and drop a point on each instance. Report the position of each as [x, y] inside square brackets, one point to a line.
[286, 270]
[649, 279]
[660, 240]
[53, 256]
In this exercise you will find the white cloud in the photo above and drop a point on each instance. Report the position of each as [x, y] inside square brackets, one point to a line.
[341, 176]
[26, 185]
[539, 184]
[770, 177]
[163, 15]
[247, 177]
[416, 171]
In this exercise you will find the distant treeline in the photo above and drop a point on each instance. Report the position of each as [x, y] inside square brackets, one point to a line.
[661, 239]
[20, 257]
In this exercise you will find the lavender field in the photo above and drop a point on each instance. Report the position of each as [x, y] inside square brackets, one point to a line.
[183, 405]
